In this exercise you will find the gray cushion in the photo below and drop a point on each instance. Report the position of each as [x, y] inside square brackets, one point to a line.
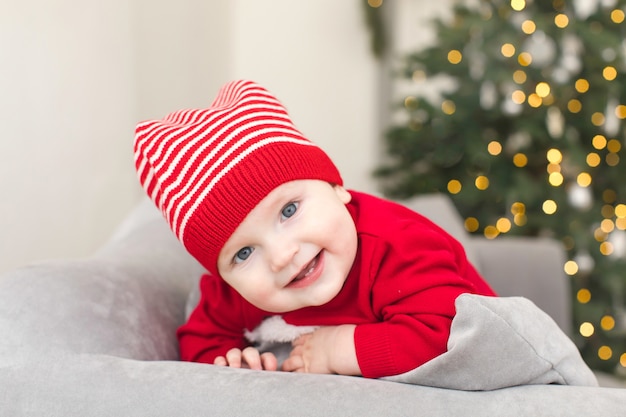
[502, 342]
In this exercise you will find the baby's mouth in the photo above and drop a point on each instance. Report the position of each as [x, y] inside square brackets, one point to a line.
[307, 270]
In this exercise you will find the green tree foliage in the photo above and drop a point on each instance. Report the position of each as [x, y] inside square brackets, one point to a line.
[528, 140]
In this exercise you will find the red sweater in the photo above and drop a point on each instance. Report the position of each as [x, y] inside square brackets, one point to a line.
[400, 294]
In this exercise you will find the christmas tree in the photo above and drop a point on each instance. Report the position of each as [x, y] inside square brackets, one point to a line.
[528, 140]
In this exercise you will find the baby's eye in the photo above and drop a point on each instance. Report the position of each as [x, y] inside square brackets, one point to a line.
[243, 254]
[289, 210]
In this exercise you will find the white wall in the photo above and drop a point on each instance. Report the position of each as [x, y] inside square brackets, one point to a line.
[315, 56]
[67, 104]
[76, 76]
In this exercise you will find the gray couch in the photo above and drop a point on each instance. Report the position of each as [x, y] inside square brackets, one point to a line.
[95, 337]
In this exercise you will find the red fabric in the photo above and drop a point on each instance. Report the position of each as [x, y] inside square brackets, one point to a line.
[400, 293]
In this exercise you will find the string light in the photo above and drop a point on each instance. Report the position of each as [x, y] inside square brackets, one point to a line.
[607, 225]
[606, 248]
[570, 268]
[586, 329]
[520, 160]
[548, 100]
[593, 159]
[519, 213]
[503, 225]
[529, 27]
[561, 21]
[507, 50]
[518, 208]
[482, 182]
[609, 196]
[518, 5]
[612, 159]
[448, 107]
[581, 85]
[556, 179]
[410, 102]
[534, 100]
[542, 89]
[609, 73]
[494, 148]
[375, 3]
[597, 119]
[583, 296]
[599, 142]
[454, 186]
[455, 56]
[614, 146]
[607, 211]
[549, 207]
[553, 168]
[574, 106]
[607, 323]
[583, 179]
[605, 353]
[599, 235]
[620, 111]
[518, 97]
[491, 232]
[520, 219]
[554, 156]
[471, 224]
[617, 16]
[519, 76]
[559, 5]
[525, 59]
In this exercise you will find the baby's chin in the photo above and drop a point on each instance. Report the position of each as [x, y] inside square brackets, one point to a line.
[316, 301]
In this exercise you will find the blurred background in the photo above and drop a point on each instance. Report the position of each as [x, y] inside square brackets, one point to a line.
[76, 76]
[513, 108]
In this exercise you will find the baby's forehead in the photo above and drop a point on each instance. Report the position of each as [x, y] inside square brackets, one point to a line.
[269, 207]
[276, 198]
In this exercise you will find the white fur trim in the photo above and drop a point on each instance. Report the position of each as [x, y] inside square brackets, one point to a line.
[275, 330]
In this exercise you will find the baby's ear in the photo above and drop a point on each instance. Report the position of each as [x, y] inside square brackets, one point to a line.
[342, 193]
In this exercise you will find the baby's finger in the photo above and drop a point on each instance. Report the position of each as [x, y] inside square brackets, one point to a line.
[220, 361]
[293, 363]
[233, 357]
[269, 361]
[252, 358]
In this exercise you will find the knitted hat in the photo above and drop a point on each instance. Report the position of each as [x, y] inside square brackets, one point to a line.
[206, 169]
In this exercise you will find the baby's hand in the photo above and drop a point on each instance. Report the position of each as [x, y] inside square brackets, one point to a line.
[248, 358]
[327, 350]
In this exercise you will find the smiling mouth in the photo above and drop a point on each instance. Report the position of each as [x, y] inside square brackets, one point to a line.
[308, 274]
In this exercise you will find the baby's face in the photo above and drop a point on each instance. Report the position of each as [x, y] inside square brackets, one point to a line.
[294, 249]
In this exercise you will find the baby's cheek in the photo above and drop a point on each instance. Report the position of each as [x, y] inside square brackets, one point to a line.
[257, 295]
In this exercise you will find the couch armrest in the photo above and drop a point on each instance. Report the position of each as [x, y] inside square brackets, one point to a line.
[127, 300]
[88, 338]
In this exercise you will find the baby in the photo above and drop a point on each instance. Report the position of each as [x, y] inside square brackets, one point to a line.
[264, 210]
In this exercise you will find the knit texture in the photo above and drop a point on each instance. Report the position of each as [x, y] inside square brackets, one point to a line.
[206, 169]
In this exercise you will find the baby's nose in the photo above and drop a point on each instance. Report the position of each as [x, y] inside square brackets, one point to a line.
[281, 254]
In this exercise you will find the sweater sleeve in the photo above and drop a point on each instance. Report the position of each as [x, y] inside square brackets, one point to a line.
[217, 323]
[416, 279]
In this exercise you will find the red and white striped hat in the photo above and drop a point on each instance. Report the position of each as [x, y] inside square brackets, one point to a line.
[206, 169]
